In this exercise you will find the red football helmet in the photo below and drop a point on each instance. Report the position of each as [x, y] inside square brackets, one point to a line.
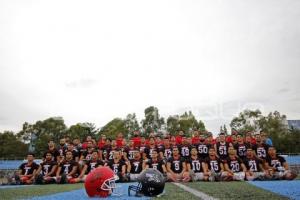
[100, 182]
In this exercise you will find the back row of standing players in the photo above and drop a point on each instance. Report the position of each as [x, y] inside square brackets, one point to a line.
[178, 158]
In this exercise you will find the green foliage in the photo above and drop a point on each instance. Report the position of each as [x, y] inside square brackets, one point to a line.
[51, 128]
[152, 121]
[274, 124]
[248, 120]
[82, 130]
[8, 144]
[112, 128]
[185, 122]
[131, 123]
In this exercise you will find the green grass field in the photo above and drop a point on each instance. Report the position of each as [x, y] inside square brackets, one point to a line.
[233, 190]
[36, 190]
[220, 190]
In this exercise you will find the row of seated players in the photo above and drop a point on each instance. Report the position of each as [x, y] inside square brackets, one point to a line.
[176, 168]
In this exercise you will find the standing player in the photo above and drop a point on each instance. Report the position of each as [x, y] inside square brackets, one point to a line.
[67, 169]
[185, 148]
[148, 150]
[53, 150]
[27, 171]
[203, 147]
[260, 148]
[222, 146]
[176, 167]
[241, 147]
[195, 166]
[278, 167]
[46, 170]
[128, 152]
[166, 150]
[88, 151]
[234, 166]
[61, 149]
[70, 147]
[112, 149]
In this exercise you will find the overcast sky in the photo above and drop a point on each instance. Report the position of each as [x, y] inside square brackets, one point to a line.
[91, 61]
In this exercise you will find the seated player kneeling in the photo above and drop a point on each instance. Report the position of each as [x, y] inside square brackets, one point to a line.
[278, 167]
[67, 170]
[195, 166]
[176, 167]
[135, 166]
[118, 166]
[46, 171]
[214, 168]
[90, 165]
[234, 166]
[255, 170]
[27, 171]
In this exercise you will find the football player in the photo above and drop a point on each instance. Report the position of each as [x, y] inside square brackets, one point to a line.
[166, 150]
[195, 166]
[185, 148]
[176, 167]
[89, 166]
[234, 166]
[203, 147]
[46, 170]
[118, 166]
[135, 166]
[148, 150]
[67, 169]
[156, 163]
[221, 147]
[260, 148]
[53, 150]
[213, 167]
[87, 153]
[255, 170]
[278, 167]
[27, 171]
[240, 146]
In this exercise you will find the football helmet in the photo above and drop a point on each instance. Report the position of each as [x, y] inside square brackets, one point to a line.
[150, 183]
[100, 182]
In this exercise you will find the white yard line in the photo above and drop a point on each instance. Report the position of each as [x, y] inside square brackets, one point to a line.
[197, 193]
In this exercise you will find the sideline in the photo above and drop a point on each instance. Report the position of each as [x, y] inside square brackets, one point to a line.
[197, 193]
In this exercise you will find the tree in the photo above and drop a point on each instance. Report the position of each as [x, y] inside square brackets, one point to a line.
[248, 120]
[152, 121]
[51, 128]
[185, 122]
[82, 130]
[112, 128]
[273, 124]
[131, 123]
[11, 147]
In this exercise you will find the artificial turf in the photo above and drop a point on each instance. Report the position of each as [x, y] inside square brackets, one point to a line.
[173, 192]
[36, 190]
[234, 190]
[220, 190]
